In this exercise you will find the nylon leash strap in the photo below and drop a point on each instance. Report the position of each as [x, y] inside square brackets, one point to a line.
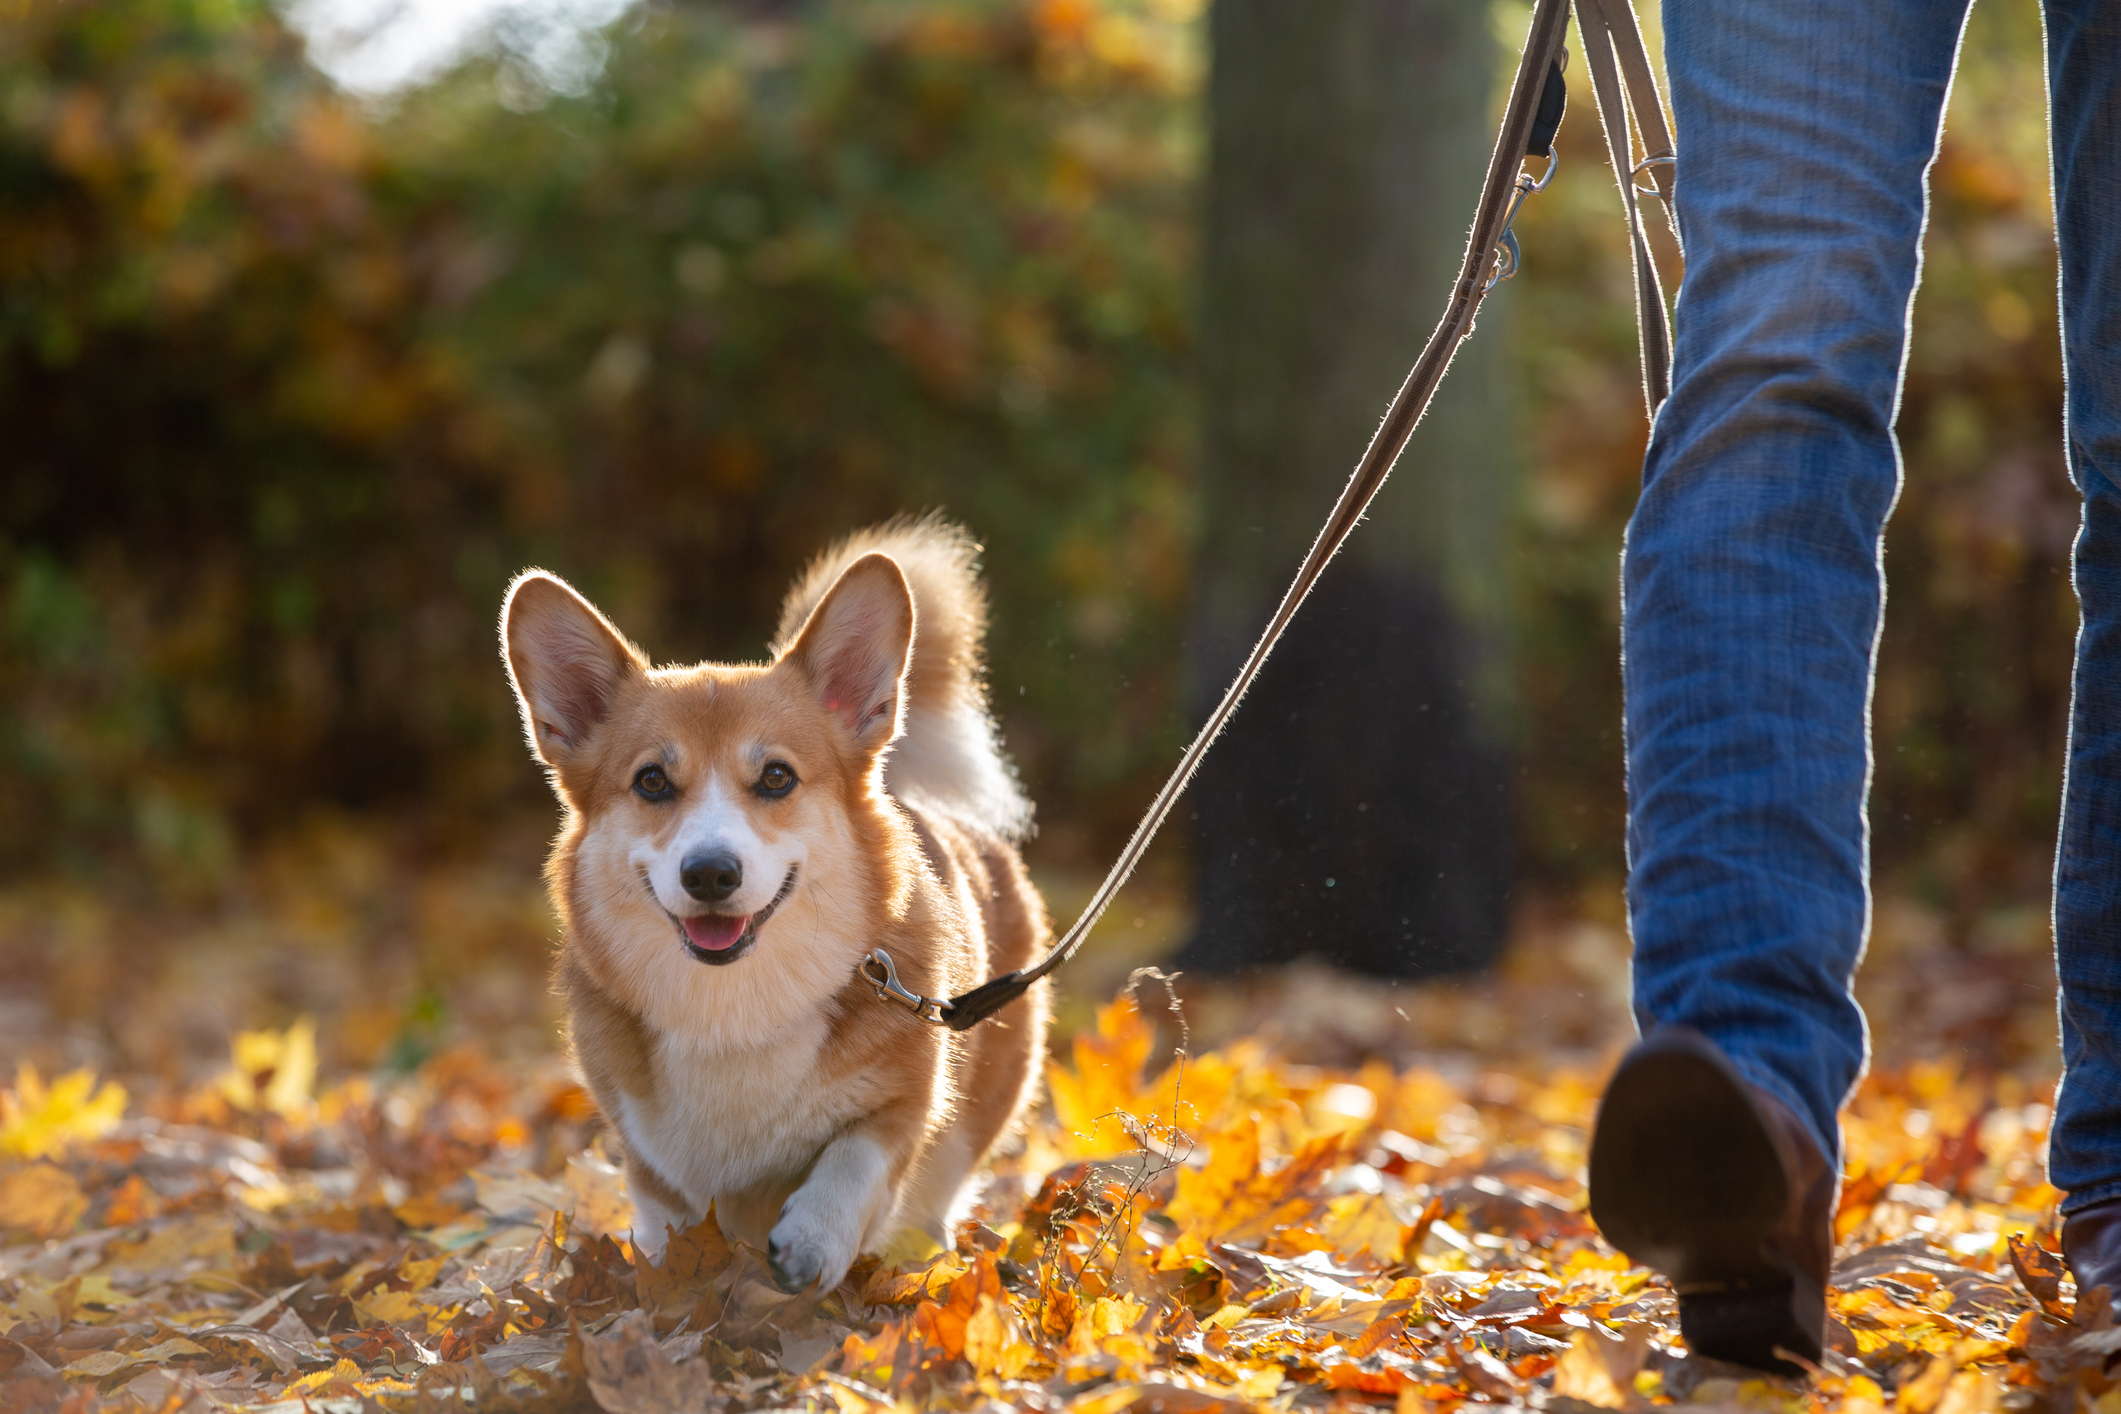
[1625, 85]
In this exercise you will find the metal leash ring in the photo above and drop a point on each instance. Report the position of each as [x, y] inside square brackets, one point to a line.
[1662, 159]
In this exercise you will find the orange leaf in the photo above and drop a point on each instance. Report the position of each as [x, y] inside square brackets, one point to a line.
[1376, 1336]
[1382, 1380]
[40, 1199]
[950, 1319]
[888, 1287]
[1233, 1200]
[1204, 1194]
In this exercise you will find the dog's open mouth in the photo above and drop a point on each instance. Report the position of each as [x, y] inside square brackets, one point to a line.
[721, 938]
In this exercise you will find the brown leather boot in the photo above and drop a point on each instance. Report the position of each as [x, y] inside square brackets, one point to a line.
[2091, 1244]
[1723, 1189]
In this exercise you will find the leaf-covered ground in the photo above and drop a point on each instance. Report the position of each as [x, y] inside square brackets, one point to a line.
[1230, 1229]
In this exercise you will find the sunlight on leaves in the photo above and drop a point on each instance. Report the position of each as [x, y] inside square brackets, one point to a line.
[1291, 1244]
[37, 1120]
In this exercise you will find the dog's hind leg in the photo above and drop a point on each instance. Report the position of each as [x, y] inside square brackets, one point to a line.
[936, 1185]
[658, 1209]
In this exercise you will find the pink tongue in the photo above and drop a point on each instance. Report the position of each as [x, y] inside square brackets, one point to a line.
[715, 931]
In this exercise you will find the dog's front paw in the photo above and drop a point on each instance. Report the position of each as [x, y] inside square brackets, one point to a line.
[808, 1249]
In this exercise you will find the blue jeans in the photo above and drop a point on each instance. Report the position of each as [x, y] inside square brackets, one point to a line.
[1752, 581]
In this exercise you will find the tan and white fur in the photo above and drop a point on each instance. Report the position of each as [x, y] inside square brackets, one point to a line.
[737, 838]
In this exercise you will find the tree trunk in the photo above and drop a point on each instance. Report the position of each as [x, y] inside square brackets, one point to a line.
[1359, 807]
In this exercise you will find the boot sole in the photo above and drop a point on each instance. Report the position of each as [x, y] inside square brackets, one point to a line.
[1685, 1178]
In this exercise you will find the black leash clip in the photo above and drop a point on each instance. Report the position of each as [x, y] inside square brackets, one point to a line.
[1553, 102]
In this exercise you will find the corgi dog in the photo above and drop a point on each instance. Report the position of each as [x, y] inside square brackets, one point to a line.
[737, 837]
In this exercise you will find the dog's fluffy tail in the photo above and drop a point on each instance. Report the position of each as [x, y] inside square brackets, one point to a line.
[949, 759]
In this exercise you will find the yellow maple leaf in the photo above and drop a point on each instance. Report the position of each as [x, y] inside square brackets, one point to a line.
[1364, 1222]
[396, 1307]
[1972, 1392]
[1862, 1395]
[1105, 1103]
[209, 1237]
[418, 1276]
[96, 1290]
[273, 1070]
[37, 1120]
[1100, 1323]
[1105, 1086]
[908, 1247]
[346, 1372]
[1921, 1394]
[1586, 1260]
[994, 1342]
[1597, 1370]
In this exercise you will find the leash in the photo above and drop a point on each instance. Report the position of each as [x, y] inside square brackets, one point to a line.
[1625, 87]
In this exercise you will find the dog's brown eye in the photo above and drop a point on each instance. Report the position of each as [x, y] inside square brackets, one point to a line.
[651, 784]
[777, 779]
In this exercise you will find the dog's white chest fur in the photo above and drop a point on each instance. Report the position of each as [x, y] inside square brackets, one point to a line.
[721, 1120]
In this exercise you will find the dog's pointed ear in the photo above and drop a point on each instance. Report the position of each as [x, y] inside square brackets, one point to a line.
[565, 660]
[855, 647]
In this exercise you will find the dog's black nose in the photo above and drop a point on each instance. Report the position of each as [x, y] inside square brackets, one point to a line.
[710, 878]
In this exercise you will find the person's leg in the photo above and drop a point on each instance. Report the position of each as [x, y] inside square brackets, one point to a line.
[2084, 100]
[1752, 586]
[1752, 593]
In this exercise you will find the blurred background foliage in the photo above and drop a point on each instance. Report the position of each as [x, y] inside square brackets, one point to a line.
[291, 383]
[292, 389]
